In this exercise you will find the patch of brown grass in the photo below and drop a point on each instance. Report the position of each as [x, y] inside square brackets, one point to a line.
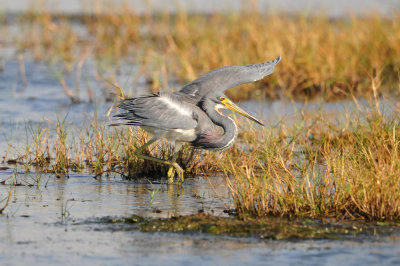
[319, 167]
[321, 56]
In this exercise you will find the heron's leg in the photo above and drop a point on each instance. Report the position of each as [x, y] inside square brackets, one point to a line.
[139, 154]
[171, 170]
[144, 146]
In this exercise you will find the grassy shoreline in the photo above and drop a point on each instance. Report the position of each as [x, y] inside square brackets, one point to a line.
[346, 166]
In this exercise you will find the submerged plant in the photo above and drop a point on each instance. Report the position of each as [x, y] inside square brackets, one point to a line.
[65, 213]
[8, 198]
[153, 192]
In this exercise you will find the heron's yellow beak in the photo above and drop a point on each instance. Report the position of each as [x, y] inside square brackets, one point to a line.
[231, 106]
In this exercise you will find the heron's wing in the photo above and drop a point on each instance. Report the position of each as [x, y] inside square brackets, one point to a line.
[224, 78]
[162, 111]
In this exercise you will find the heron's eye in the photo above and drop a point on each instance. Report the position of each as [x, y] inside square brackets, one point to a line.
[222, 99]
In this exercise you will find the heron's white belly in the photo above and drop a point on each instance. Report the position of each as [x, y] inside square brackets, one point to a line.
[182, 135]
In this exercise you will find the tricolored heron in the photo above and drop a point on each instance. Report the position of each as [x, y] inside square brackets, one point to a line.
[192, 114]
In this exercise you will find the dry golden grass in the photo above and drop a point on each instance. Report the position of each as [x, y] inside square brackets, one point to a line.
[319, 167]
[321, 56]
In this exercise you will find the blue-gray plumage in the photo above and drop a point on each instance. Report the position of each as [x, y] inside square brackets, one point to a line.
[193, 113]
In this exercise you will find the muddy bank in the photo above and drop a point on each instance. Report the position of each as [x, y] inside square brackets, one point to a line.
[271, 228]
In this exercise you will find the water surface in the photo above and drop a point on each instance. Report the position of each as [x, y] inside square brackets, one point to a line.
[332, 8]
[54, 225]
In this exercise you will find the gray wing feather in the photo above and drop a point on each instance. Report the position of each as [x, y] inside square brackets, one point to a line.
[224, 78]
[160, 111]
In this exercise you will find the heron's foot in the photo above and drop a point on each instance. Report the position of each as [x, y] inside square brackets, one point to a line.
[171, 173]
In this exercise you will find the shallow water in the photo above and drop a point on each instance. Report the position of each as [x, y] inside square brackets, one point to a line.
[55, 224]
[332, 8]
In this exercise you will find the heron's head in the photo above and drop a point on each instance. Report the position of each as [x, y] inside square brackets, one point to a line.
[221, 101]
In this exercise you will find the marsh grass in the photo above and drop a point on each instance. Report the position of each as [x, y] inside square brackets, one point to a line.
[322, 56]
[317, 166]
[61, 147]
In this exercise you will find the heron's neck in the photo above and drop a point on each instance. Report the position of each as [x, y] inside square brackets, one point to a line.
[225, 140]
